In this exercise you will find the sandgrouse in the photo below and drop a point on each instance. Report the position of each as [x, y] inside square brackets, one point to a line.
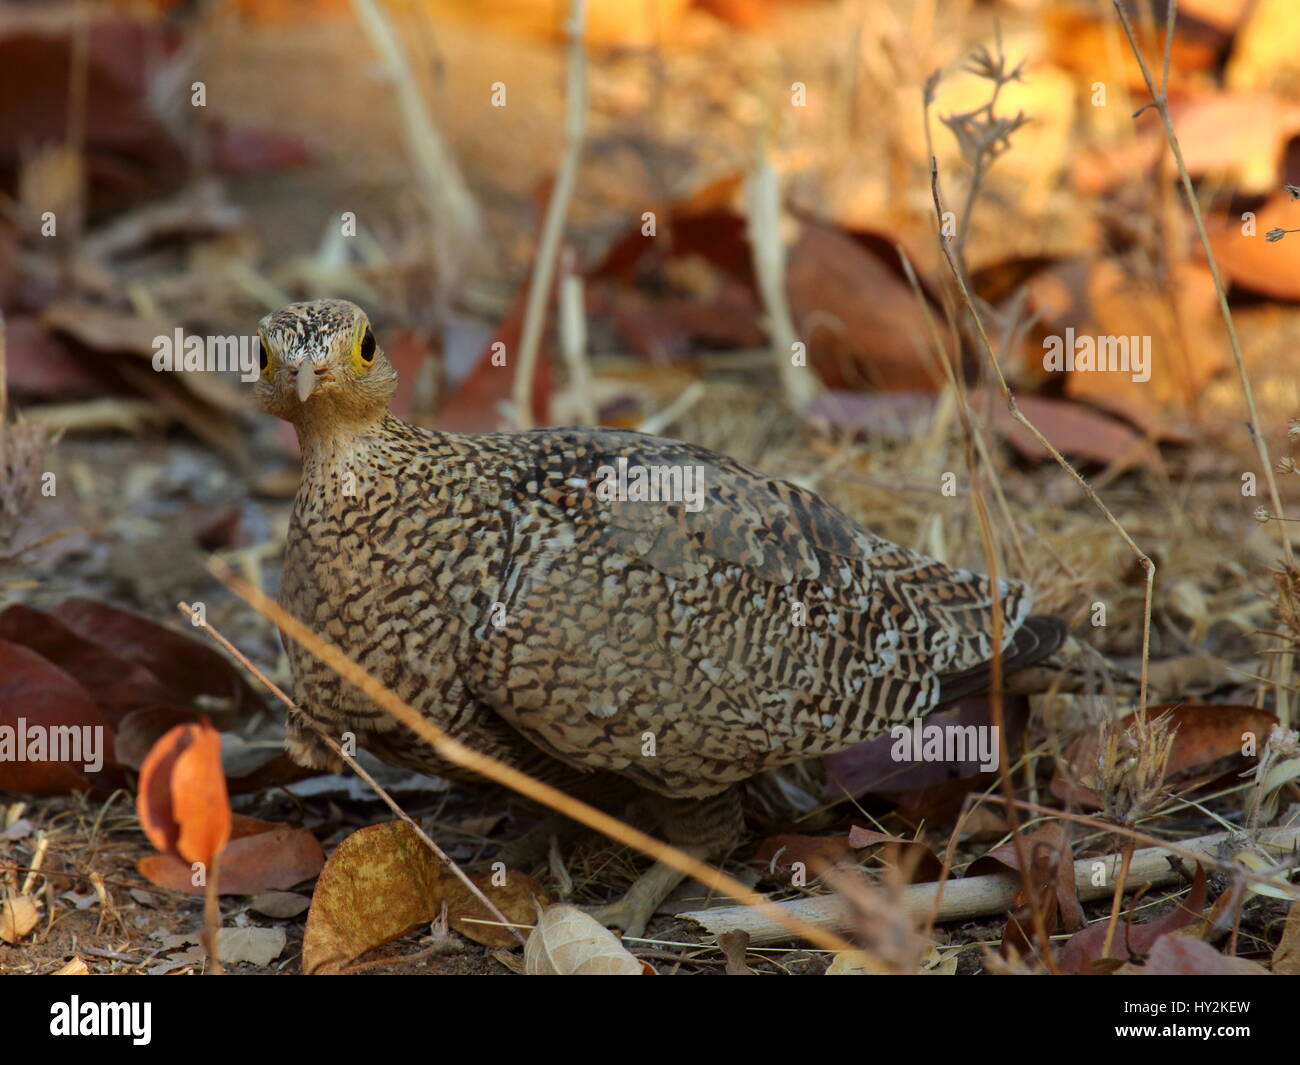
[515, 588]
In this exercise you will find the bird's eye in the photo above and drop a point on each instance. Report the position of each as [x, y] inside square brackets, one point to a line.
[263, 354]
[367, 347]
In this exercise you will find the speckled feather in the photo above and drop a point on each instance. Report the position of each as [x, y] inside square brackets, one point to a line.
[481, 577]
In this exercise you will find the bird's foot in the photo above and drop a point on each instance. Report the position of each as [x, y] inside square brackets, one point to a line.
[633, 911]
[629, 919]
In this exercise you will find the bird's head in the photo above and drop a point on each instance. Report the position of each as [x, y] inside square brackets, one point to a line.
[322, 368]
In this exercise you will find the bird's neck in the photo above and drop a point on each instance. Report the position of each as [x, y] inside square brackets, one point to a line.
[332, 442]
[328, 430]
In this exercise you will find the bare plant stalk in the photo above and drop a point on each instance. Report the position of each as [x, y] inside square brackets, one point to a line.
[485, 765]
[1117, 902]
[573, 342]
[763, 227]
[1160, 101]
[212, 918]
[557, 209]
[447, 196]
[356, 767]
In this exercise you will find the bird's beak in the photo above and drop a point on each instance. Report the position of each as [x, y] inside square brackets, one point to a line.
[307, 380]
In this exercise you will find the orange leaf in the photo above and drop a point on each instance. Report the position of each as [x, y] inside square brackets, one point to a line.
[182, 799]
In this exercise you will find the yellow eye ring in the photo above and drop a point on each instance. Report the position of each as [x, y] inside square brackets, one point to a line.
[266, 358]
[363, 352]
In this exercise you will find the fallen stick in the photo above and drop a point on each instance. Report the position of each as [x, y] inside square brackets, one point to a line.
[977, 896]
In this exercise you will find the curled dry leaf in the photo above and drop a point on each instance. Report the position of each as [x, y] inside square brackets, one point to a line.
[567, 942]
[18, 916]
[383, 881]
[1052, 873]
[182, 799]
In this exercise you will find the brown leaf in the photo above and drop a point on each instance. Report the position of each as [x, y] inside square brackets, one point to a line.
[1052, 877]
[1081, 953]
[1253, 263]
[1102, 298]
[275, 857]
[116, 684]
[1286, 959]
[817, 853]
[881, 343]
[911, 855]
[516, 899]
[734, 946]
[35, 694]
[383, 881]
[1183, 956]
[188, 669]
[1206, 736]
[1237, 135]
[1074, 430]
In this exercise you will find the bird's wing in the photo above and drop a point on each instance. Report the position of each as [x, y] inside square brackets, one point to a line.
[749, 626]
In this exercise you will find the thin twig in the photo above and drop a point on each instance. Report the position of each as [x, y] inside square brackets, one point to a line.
[763, 228]
[557, 209]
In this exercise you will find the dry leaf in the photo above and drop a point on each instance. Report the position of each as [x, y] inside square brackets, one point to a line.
[1205, 736]
[257, 946]
[1250, 260]
[275, 857]
[18, 916]
[37, 698]
[566, 942]
[280, 904]
[383, 880]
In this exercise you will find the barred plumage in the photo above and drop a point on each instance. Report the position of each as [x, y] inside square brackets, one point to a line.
[487, 581]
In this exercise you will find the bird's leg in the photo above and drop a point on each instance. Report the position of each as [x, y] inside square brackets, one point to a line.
[633, 911]
[535, 843]
[703, 828]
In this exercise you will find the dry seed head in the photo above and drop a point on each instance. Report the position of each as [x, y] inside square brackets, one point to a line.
[1131, 764]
